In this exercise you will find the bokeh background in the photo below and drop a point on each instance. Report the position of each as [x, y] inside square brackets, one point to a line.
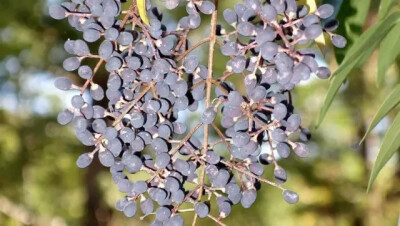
[40, 184]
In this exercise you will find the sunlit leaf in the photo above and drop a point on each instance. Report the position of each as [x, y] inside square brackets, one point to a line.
[356, 55]
[388, 51]
[390, 144]
[141, 4]
[384, 8]
[312, 6]
[390, 102]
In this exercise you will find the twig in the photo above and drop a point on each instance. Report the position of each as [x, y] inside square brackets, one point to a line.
[243, 171]
[221, 135]
[197, 85]
[183, 55]
[84, 87]
[130, 106]
[216, 220]
[219, 86]
[175, 209]
[187, 137]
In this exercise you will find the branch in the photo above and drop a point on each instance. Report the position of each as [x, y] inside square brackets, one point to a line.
[243, 171]
[208, 95]
[84, 87]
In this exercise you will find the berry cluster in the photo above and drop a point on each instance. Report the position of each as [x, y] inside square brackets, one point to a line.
[152, 77]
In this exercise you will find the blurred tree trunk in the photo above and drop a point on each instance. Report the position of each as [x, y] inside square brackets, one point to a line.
[357, 95]
[97, 212]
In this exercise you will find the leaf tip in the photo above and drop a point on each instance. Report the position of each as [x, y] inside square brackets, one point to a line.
[370, 182]
[320, 118]
[362, 139]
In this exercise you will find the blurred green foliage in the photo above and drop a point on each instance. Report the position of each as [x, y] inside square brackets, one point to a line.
[40, 184]
[362, 44]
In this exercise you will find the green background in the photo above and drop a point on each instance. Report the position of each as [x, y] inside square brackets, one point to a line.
[40, 184]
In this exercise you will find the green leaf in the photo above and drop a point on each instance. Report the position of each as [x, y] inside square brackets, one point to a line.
[388, 51]
[384, 8]
[141, 4]
[390, 144]
[356, 55]
[352, 16]
[389, 103]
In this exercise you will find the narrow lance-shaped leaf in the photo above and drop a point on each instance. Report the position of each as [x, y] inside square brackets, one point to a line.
[356, 56]
[312, 6]
[390, 102]
[388, 51]
[390, 144]
[141, 4]
[384, 8]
